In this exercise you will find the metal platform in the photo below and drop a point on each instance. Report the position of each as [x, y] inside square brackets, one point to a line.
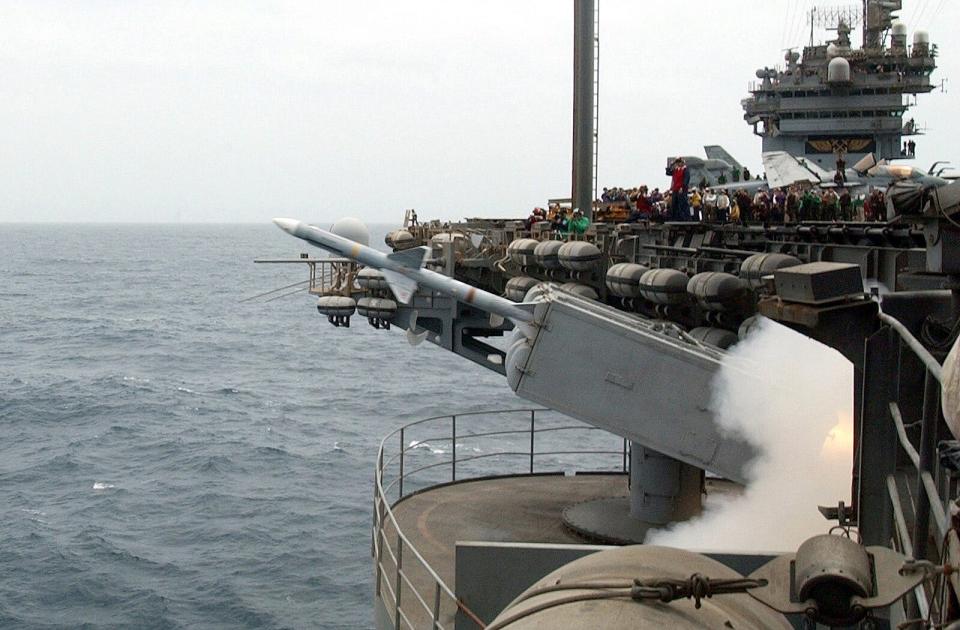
[435, 488]
[509, 509]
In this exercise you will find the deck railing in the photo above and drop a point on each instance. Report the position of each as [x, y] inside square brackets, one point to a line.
[458, 447]
[921, 520]
[333, 276]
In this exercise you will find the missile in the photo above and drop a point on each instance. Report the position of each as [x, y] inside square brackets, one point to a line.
[404, 272]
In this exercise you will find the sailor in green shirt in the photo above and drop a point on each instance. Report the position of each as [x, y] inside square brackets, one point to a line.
[579, 223]
[810, 206]
[858, 208]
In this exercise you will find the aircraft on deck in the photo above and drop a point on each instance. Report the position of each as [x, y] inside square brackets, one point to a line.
[783, 170]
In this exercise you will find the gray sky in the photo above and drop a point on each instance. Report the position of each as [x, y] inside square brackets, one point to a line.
[240, 111]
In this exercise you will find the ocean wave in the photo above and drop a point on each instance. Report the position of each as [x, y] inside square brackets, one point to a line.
[33, 512]
[273, 451]
[61, 463]
[436, 450]
[34, 516]
[219, 464]
[122, 428]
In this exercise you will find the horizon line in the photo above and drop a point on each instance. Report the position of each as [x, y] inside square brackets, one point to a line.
[267, 221]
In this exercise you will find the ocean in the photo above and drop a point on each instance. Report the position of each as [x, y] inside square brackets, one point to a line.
[174, 458]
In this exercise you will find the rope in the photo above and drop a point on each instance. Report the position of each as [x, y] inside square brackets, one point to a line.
[289, 286]
[283, 295]
[557, 602]
[787, 19]
[914, 20]
[799, 24]
[697, 587]
[922, 9]
[936, 12]
[469, 613]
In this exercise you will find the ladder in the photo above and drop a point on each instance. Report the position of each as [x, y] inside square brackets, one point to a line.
[596, 93]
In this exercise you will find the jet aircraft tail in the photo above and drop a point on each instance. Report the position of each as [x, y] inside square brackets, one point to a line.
[716, 152]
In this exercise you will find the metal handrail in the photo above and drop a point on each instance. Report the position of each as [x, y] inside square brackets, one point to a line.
[928, 503]
[900, 523]
[905, 443]
[392, 587]
[330, 276]
[922, 468]
[933, 367]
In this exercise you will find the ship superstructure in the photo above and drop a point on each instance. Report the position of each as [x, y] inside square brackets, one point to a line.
[835, 101]
[472, 508]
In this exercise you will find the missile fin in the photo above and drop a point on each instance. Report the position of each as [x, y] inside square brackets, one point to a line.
[413, 258]
[413, 337]
[403, 287]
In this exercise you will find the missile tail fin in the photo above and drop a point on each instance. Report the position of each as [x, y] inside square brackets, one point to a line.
[413, 258]
[413, 337]
[403, 287]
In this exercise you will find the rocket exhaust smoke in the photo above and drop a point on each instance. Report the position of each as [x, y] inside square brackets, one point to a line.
[792, 398]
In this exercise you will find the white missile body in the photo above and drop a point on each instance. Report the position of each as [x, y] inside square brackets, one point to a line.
[404, 271]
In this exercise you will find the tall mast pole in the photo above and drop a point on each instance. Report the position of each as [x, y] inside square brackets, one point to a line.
[864, 30]
[583, 70]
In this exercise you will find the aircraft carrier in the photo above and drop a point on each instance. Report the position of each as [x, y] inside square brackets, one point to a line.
[527, 518]
[835, 100]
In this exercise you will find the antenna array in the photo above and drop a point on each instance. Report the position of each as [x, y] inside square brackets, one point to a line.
[830, 17]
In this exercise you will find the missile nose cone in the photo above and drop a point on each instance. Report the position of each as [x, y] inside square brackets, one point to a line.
[287, 225]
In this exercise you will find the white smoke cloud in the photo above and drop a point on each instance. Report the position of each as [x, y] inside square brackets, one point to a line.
[792, 398]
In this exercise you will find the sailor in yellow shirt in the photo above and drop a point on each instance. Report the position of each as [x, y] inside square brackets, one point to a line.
[696, 205]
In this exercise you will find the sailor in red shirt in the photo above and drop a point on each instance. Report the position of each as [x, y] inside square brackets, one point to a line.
[679, 185]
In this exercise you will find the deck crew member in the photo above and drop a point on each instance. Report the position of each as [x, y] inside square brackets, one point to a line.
[578, 223]
[679, 185]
